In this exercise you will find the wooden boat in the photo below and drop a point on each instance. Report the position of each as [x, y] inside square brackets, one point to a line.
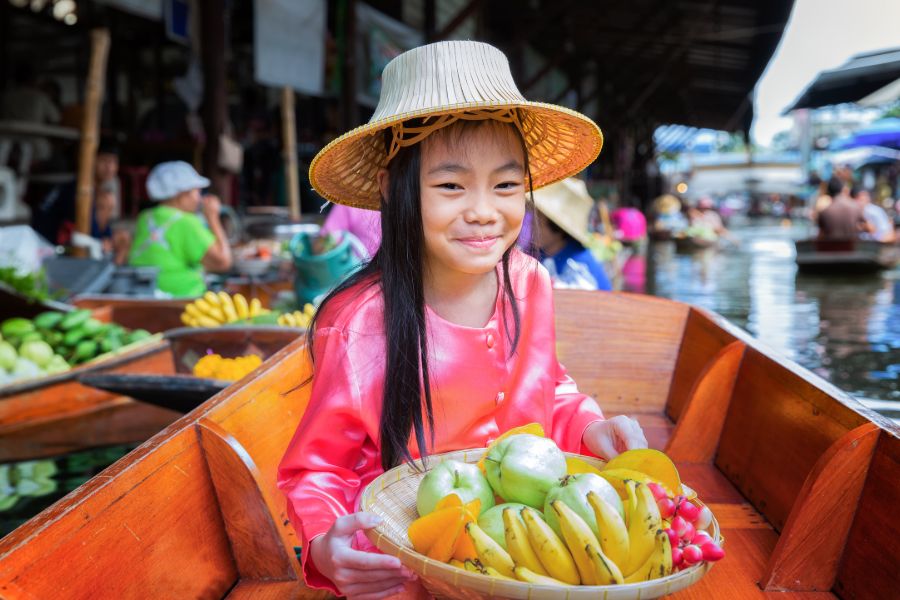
[846, 256]
[802, 478]
[151, 314]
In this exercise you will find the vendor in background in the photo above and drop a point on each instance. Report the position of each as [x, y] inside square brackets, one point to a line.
[562, 238]
[876, 224]
[172, 237]
[363, 223]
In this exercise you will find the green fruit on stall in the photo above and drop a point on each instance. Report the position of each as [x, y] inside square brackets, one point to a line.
[48, 320]
[16, 327]
[37, 351]
[74, 319]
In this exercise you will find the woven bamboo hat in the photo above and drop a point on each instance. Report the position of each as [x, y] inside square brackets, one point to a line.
[446, 82]
[568, 204]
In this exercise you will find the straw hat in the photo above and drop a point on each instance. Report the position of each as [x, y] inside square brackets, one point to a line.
[446, 82]
[568, 204]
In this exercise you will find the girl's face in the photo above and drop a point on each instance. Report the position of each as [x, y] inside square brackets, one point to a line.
[473, 197]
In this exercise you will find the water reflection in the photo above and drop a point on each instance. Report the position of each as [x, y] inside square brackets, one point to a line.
[845, 329]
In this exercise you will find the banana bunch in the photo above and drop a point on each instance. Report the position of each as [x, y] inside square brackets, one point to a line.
[213, 310]
[630, 552]
[298, 318]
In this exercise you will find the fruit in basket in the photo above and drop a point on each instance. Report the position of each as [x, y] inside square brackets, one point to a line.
[551, 550]
[517, 543]
[531, 428]
[491, 521]
[529, 576]
[579, 540]
[573, 490]
[442, 532]
[490, 553]
[652, 463]
[614, 541]
[453, 477]
[574, 466]
[37, 351]
[523, 467]
[658, 564]
[643, 523]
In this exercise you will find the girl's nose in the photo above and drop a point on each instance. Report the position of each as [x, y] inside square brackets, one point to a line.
[481, 208]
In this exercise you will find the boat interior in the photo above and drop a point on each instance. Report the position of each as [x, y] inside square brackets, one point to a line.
[801, 477]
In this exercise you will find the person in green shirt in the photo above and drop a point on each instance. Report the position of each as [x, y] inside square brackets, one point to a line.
[172, 237]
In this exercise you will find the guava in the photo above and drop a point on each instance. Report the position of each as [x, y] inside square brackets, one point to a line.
[522, 468]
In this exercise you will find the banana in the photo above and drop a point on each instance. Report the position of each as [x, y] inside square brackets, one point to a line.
[658, 564]
[203, 306]
[490, 552]
[551, 550]
[606, 572]
[492, 572]
[192, 310]
[578, 536]
[517, 543]
[642, 526]
[186, 319]
[240, 306]
[309, 309]
[613, 533]
[529, 576]
[286, 320]
[212, 298]
[227, 305]
[255, 307]
[207, 321]
[474, 566]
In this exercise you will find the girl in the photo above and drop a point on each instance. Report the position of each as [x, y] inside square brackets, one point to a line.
[445, 339]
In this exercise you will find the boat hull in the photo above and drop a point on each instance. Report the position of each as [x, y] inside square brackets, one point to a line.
[846, 257]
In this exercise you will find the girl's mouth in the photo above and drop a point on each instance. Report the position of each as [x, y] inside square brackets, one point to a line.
[479, 243]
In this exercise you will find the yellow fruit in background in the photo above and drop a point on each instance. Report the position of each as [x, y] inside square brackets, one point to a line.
[652, 463]
[618, 477]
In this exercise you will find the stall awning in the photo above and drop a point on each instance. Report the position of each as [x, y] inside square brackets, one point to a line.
[857, 78]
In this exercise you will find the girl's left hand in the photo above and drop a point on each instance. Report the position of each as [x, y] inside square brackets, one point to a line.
[613, 436]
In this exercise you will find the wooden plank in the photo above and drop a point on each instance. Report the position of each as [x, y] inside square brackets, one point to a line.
[153, 315]
[810, 547]
[289, 152]
[870, 569]
[703, 338]
[153, 516]
[625, 367]
[776, 429]
[699, 428]
[259, 550]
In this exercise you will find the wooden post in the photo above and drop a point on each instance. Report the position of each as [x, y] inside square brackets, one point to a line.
[90, 126]
[212, 55]
[289, 152]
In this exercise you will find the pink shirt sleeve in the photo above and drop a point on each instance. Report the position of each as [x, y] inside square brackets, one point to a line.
[320, 472]
[572, 413]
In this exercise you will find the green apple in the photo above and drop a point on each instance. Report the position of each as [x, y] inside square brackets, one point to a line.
[491, 521]
[521, 468]
[573, 491]
[453, 477]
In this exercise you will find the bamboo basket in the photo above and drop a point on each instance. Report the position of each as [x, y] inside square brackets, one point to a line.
[392, 496]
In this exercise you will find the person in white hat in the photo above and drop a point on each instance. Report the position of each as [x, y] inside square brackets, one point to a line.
[563, 213]
[446, 338]
[171, 236]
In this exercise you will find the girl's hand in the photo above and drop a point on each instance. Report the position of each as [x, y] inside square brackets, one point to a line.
[357, 575]
[613, 436]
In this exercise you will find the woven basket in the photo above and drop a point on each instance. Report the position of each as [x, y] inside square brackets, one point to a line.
[393, 497]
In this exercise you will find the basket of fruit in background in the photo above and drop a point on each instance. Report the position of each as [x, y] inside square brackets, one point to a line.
[522, 519]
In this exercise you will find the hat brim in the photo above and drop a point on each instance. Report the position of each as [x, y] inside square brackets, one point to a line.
[561, 142]
[195, 183]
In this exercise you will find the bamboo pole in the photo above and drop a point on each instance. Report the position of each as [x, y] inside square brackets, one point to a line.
[289, 152]
[90, 126]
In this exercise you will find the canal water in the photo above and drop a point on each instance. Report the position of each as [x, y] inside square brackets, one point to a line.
[845, 329]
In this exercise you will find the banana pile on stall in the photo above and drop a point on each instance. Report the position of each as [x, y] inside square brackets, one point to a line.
[298, 318]
[214, 310]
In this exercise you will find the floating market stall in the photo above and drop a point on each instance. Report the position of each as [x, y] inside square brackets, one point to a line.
[800, 476]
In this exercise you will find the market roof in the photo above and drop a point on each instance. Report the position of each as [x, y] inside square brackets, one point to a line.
[857, 78]
[692, 63]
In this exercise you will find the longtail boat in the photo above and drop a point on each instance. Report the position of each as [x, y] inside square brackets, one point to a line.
[846, 256]
[801, 477]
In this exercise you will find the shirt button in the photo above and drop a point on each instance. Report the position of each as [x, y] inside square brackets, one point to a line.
[489, 340]
[499, 399]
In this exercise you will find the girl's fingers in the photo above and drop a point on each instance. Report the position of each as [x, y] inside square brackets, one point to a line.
[358, 560]
[355, 577]
[377, 595]
[385, 587]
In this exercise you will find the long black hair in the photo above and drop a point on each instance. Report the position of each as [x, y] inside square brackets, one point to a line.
[398, 267]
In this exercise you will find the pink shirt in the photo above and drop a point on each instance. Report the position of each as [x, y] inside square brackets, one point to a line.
[479, 390]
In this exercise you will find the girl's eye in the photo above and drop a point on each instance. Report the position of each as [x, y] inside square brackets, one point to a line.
[508, 185]
[449, 186]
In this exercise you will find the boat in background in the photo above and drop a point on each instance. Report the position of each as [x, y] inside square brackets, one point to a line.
[846, 257]
[801, 477]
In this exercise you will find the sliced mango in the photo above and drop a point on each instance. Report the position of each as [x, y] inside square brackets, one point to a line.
[653, 463]
[618, 477]
[576, 465]
[425, 531]
[532, 428]
[449, 501]
[445, 544]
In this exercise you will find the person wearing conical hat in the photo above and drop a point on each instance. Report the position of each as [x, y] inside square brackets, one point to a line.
[563, 213]
[445, 338]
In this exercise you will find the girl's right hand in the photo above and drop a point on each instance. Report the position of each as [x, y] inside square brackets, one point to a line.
[357, 575]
